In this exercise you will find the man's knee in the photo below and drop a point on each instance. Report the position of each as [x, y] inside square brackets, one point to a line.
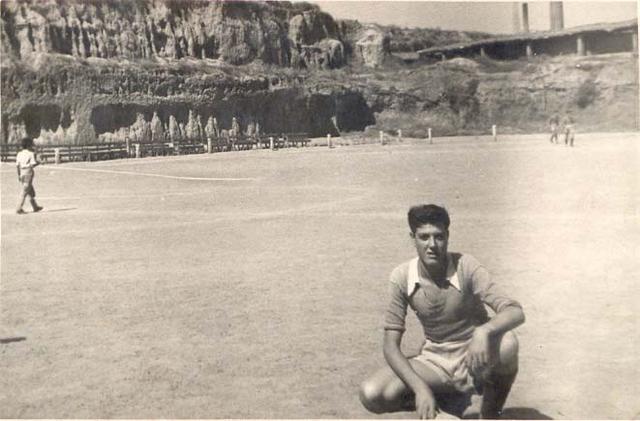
[371, 396]
[508, 353]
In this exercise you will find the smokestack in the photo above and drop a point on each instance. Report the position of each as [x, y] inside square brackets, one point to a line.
[556, 15]
[515, 17]
[520, 16]
[525, 17]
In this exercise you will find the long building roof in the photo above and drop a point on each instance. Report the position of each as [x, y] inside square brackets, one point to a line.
[530, 36]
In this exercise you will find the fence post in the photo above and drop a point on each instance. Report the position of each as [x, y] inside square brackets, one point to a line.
[494, 132]
[381, 137]
[56, 155]
[399, 135]
[137, 146]
[329, 140]
[271, 145]
[209, 150]
[429, 135]
[128, 147]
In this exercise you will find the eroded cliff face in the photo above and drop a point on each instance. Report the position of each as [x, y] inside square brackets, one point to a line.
[69, 101]
[82, 71]
[93, 71]
[235, 32]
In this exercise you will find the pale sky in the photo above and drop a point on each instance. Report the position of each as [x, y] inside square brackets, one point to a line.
[483, 16]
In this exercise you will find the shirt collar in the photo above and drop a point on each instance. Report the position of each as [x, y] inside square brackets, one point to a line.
[413, 279]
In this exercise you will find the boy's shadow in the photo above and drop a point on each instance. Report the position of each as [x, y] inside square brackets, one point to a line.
[59, 210]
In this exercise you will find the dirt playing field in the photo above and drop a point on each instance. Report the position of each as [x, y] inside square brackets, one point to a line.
[252, 284]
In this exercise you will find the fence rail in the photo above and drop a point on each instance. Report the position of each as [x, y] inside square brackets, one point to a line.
[104, 151]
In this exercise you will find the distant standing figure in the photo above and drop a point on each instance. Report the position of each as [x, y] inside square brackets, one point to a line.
[25, 163]
[235, 127]
[568, 127]
[554, 126]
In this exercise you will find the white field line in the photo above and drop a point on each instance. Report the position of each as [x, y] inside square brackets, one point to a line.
[119, 196]
[144, 174]
[204, 217]
[409, 146]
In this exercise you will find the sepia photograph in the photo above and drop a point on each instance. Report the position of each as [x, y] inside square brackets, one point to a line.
[226, 209]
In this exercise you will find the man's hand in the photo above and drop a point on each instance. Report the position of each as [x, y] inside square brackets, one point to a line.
[478, 359]
[426, 406]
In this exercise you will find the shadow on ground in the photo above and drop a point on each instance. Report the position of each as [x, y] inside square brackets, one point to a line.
[464, 407]
[522, 413]
[12, 339]
[59, 210]
[516, 413]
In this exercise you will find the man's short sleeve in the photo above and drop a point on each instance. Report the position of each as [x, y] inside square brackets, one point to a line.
[396, 313]
[488, 291]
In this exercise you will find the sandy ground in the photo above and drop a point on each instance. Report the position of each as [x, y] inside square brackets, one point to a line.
[252, 284]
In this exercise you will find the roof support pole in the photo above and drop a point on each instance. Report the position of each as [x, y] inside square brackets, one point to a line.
[529, 49]
[580, 45]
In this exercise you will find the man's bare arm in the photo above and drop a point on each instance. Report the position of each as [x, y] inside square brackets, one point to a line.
[425, 401]
[478, 353]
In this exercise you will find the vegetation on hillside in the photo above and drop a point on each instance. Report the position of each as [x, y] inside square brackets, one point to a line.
[414, 39]
[402, 40]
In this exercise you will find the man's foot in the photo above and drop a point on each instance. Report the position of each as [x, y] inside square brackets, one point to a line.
[37, 209]
[20, 212]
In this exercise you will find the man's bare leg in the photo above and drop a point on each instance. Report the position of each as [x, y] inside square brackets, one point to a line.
[498, 383]
[386, 392]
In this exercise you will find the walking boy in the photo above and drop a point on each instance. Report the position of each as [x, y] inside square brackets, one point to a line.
[25, 163]
[464, 350]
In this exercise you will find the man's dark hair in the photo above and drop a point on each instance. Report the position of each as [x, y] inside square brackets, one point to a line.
[26, 143]
[428, 214]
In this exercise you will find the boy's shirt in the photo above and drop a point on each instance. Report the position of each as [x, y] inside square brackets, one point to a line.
[26, 159]
[448, 312]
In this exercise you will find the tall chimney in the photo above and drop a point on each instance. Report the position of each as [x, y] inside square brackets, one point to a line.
[525, 17]
[515, 17]
[556, 15]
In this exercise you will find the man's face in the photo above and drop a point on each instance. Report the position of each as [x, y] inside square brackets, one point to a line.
[431, 243]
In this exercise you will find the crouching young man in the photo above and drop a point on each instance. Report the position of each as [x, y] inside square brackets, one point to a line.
[464, 349]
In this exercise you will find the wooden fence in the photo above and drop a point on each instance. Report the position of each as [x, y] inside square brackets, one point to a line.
[103, 151]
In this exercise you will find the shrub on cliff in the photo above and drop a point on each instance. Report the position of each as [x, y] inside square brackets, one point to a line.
[586, 94]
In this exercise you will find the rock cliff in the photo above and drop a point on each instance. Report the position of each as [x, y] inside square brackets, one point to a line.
[89, 71]
[78, 71]
[235, 32]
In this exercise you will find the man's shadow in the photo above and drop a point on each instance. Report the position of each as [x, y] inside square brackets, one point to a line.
[521, 413]
[461, 407]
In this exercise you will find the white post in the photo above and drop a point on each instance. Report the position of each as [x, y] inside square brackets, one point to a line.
[329, 140]
[381, 137]
[209, 150]
[429, 135]
[56, 155]
[271, 142]
[494, 131]
[399, 135]
[137, 145]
